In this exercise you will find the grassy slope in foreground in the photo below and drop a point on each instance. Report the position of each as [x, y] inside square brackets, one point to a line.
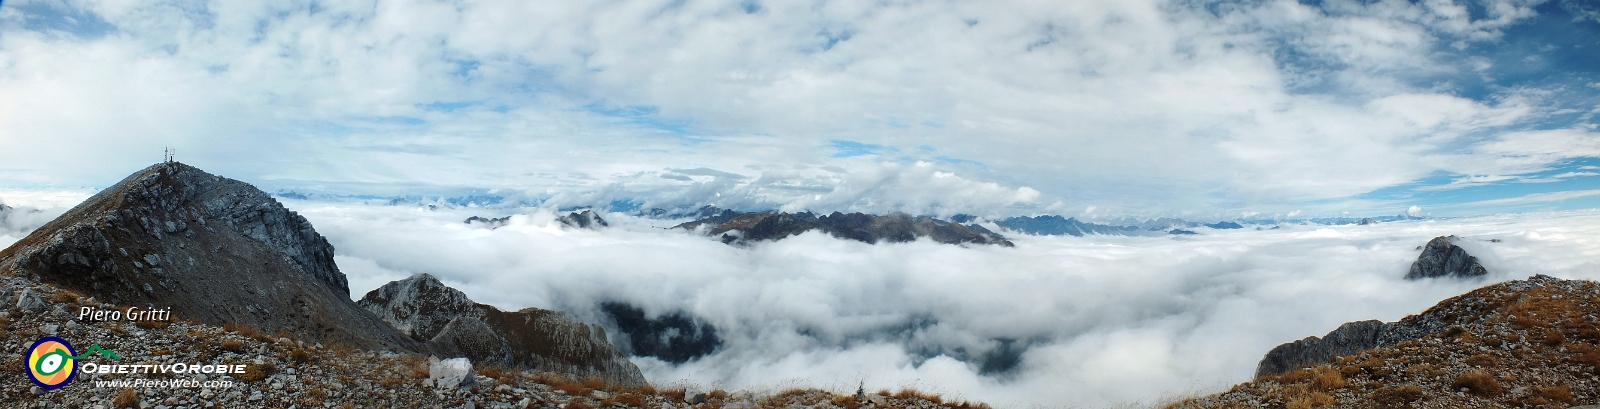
[1528, 343]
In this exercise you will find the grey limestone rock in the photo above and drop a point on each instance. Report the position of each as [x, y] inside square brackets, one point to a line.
[451, 324]
[1348, 338]
[451, 373]
[1442, 258]
[212, 249]
[30, 301]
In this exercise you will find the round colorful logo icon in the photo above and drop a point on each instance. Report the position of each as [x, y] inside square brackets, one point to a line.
[50, 363]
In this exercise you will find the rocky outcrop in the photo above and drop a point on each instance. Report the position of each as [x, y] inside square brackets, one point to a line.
[443, 317]
[494, 223]
[1439, 259]
[212, 249]
[1442, 258]
[1348, 338]
[588, 219]
[1225, 225]
[734, 227]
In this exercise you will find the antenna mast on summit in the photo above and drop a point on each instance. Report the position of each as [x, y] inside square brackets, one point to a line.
[169, 155]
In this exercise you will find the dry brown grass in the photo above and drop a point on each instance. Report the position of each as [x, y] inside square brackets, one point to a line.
[126, 399]
[1327, 379]
[717, 394]
[233, 345]
[1312, 400]
[675, 394]
[630, 399]
[1296, 376]
[564, 385]
[1554, 338]
[1482, 360]
[847, 402]
[65, 297]
[910, 393]
[576, 403]
[301, 355]
[244, 330]
[1396, 396]
[1478, 382]
[257, 372]
[497, 372]
[340, 349]
[1562, 394]
[594, 383]
[1586, 355]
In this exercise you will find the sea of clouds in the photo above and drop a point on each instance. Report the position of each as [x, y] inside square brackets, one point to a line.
[1100, 320]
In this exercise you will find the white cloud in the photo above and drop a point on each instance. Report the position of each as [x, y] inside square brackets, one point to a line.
[1537, 198]
[1109, 319]
[1414, 211]
[30, 209]
[1139, 106]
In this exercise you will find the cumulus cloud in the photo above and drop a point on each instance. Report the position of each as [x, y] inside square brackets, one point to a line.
[1094, 321]
[1146, 106]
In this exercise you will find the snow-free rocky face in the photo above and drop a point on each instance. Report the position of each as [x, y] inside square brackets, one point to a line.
[212, 249]
[532, 338]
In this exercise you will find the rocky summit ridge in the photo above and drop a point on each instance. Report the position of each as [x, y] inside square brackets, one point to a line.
[212, 249]
[219, 252]
[736, 227]
[531, 338]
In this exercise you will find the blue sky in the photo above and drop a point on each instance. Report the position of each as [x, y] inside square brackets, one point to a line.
[1200, 109]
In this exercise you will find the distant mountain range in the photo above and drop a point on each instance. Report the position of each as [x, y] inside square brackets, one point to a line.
[735, 227]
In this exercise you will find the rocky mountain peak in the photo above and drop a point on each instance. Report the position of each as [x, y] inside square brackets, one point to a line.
[1441, 257]
[214, 250]
[587, 219]
[418, 306]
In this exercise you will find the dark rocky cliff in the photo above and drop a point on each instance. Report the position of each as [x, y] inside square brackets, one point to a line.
[214, 250]
[1442, 258]
[429, 311]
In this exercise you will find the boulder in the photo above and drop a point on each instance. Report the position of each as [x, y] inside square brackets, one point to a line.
[451, 373]
[29, 301]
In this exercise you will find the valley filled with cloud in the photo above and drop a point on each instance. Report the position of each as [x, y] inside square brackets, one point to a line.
[1056, 321]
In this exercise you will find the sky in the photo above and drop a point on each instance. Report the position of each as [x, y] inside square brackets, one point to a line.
[1198, 109]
